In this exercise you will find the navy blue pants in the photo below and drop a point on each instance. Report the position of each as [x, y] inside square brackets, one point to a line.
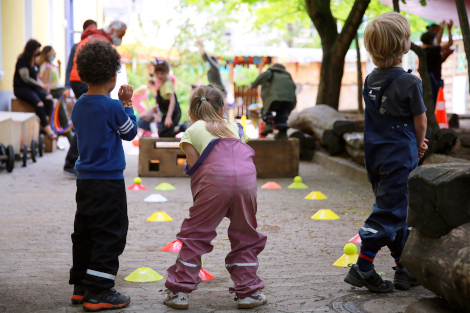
[282, 110]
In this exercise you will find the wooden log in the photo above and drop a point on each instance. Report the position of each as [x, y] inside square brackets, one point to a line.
[446, 142]
[317, 119]
[307, 145]
[355, 140]
[465, 141]
[356, 154]
[442, 265]
[439, 198]
[332, 142]
[436, 158]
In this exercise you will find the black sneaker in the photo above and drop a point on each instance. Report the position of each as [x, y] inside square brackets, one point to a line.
[78, 293]
[282, 134]
[371, 280]
[268, 129]
[70, 172]
[403, 280]
[107, 299]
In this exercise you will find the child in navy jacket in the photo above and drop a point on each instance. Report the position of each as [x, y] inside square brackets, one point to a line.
[101, 221]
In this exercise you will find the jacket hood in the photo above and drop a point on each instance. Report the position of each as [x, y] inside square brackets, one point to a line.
[277, 69]
[93, 31]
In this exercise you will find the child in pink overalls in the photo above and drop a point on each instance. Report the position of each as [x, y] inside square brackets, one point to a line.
[223, 184]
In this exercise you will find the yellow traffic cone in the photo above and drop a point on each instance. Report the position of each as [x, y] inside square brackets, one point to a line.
[349, 257]
[143, 275]
[325, 214]
[297, 184]
[316, 195]
[159, 217]
[165, 186]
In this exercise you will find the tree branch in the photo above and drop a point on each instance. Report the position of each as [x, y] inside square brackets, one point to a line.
[320, 14]
[351, 25]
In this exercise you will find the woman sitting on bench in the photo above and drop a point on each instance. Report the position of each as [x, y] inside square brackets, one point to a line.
[30, 89]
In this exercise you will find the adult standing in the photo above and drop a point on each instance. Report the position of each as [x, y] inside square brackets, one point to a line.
[29, 88]
[436, 54]
[114, 34]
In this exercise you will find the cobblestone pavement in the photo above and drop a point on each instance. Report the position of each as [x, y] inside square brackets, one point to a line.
[37, 206]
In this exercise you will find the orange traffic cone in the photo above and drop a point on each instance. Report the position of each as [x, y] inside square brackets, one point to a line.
[440, 112]
[205, 275]
[174, 246]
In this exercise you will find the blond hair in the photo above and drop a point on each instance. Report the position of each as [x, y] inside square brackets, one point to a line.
[386, 37]
[205, 104]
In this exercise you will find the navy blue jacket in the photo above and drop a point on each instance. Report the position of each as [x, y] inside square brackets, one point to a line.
[100, 122]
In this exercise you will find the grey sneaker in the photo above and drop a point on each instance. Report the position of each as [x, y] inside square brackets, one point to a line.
[252, 301]
[403, 280]
[371, 280]
[282, 134]
[71, 172]
[178, 301]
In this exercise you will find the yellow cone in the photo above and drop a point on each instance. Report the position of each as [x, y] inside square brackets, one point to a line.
[159, 217]
[325, 214]
[165, 186]
[346, 260]
[316, 195]
[143, 275]
[297, 184]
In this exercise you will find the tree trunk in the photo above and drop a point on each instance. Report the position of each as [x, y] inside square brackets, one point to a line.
[360, 108]
[464, 26]
[334, 45]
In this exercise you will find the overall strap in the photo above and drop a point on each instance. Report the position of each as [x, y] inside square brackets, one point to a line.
[378, 98]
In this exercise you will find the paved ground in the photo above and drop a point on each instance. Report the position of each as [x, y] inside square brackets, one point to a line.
[37, 208]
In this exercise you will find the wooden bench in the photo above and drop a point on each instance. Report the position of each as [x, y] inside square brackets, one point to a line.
[18, 105]
[162, 157]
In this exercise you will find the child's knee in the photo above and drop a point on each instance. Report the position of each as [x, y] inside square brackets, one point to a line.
[49, 97]
[40, 104]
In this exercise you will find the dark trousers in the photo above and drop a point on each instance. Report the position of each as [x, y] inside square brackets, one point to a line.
[35, 95]
[100, 231]
[72, 155]
[282, 109]
[164, 131]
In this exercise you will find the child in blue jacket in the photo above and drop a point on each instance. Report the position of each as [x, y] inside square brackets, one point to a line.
[101, 222]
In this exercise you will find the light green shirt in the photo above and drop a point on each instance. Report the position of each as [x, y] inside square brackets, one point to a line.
[198, 136]
[167, 88]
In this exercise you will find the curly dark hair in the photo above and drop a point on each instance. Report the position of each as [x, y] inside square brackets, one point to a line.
[97, 61]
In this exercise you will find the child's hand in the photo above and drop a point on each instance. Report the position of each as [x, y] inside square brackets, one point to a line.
[422, 148]
[168, 121]
[450, 24]
[125, 93]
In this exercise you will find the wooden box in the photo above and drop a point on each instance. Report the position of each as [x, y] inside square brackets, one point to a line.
[10, 132]
[18, 105]
[28, 128]
[162, 157]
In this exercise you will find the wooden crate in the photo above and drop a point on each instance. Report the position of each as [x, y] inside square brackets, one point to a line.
[10, 133]
[29, 128]
[161, 157]
[18, 105]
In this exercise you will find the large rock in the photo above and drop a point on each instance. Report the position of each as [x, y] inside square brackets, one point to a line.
[442, 265]
[439, 198]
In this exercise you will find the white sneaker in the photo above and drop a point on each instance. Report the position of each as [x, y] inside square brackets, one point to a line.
[252, 301]
[177, 301]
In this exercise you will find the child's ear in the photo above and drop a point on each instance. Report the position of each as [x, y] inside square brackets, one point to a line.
[113, 79]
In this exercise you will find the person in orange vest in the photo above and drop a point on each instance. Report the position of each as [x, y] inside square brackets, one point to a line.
[113, 33]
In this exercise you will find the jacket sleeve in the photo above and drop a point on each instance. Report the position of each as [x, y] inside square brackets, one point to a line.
[125, 121]
[261, 79]
[69, 66]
